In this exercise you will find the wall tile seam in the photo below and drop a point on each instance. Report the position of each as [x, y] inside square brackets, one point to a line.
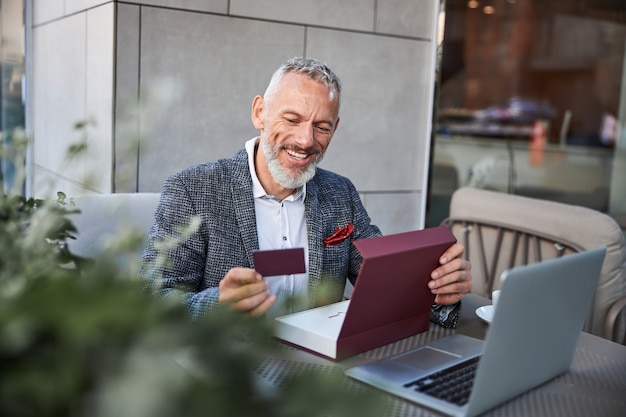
[388, 192]
[336, 28]
[284, 22]
[59, 176]
[65, 16]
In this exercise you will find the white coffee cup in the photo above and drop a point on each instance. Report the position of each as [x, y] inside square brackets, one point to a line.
[495, 295]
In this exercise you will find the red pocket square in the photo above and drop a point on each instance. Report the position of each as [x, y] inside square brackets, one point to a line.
[339, 235]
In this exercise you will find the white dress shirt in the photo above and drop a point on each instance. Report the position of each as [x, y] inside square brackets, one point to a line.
[280, 224]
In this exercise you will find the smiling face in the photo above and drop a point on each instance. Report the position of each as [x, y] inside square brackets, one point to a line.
[296, 119]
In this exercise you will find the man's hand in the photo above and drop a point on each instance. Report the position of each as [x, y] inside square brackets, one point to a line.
[453, 279]
[246, 290]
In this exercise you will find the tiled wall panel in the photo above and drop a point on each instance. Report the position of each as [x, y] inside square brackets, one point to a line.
[394, 212]
[47, 10]
[406, 18]
[99, 97]
[197, 64]
[59, 94]
[379, 142]
[344, 14]
[73, 84]
[126, 138]
[214, 6]
[215, 64]
[75, 6]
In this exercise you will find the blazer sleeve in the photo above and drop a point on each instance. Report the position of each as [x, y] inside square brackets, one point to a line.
[174, 257]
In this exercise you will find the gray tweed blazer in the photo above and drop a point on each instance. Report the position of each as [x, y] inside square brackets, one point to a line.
[220, 195]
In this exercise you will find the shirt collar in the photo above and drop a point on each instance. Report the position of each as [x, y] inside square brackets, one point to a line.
[257, 189]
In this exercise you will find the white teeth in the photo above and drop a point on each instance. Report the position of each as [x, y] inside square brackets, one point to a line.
[297, 155]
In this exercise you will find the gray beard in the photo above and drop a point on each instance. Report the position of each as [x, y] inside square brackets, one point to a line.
[281, 175]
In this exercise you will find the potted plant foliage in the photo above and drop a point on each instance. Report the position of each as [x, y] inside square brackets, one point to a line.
[83, 337]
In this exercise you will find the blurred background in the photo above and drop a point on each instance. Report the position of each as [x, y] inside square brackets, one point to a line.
[531, 101]
[520, 96]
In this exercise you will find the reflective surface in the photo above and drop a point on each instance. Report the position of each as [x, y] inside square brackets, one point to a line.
[529, 101]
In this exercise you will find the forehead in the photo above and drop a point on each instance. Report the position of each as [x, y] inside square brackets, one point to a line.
[296, 89]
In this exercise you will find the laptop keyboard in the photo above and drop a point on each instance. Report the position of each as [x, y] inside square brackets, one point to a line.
[452, 384]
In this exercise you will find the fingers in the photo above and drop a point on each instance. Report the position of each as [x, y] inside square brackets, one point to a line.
[453, 278]
[451, 285]
[238, 277]
[245, 290]
[263, 307]
[447, 299]
[451, 261]
[453, 252]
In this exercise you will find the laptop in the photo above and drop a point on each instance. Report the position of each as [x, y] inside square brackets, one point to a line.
[532, 339]
[390, 301]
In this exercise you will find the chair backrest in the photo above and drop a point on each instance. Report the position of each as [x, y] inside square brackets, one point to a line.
[104, 217]
[615, 323]
[501, 230]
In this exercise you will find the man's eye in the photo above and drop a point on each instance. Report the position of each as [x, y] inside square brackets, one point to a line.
[291, 121]
[322, 129]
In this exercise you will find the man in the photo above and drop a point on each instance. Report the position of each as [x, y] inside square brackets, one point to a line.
[271, 195]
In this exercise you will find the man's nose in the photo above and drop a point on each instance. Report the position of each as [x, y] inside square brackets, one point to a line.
[305, 136]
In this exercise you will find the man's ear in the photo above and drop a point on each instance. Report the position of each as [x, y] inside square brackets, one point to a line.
[258, 112]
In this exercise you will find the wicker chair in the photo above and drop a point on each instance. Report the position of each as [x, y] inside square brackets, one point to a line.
[501, 231]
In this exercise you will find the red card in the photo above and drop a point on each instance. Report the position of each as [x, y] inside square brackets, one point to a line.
[279, 261]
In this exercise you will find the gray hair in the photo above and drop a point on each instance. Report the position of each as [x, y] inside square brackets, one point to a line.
[312, 68]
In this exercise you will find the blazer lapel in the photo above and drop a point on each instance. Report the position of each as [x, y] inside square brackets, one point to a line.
[241, 189]
[314, 238]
